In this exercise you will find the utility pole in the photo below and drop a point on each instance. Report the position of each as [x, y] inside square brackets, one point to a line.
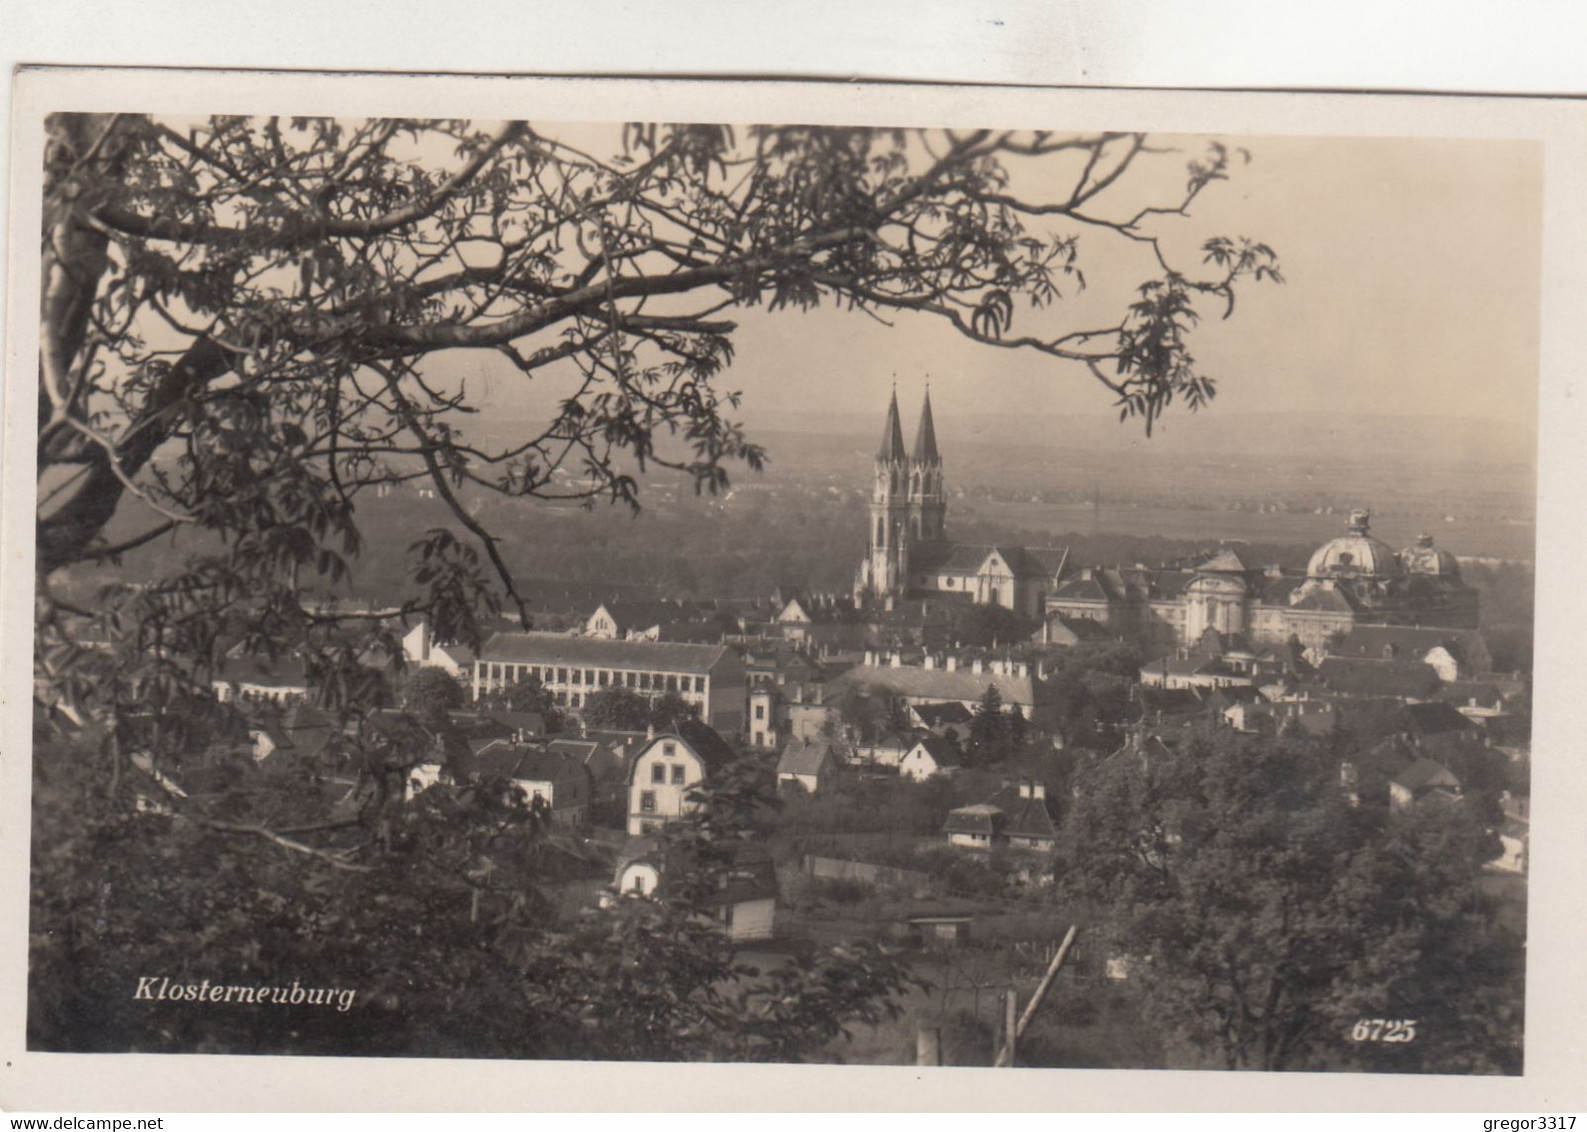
[1016, 1029]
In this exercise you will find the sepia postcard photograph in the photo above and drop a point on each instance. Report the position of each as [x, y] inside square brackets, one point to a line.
[647, 573]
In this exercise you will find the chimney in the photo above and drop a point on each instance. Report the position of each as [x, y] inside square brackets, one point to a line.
[1024, 788]
[1038, 790]
[931, 664]
[975, 666]
[650, 732]
[952, 664]
[896, 660]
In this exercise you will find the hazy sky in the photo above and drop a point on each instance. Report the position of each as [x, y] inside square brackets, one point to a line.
[1413, 286]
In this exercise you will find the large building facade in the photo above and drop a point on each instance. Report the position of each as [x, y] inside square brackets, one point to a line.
[1353, 580]
[708, 677]
[909, 553]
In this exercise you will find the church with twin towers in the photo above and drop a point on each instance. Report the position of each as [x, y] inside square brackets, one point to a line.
[1352, 580]
[909, 553]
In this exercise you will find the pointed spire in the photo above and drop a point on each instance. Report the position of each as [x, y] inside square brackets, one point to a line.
[893, 435]
[926, 436]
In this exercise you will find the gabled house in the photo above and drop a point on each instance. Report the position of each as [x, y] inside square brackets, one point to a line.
[554, 780]
[1423, 779]
[740, 888]
[667, 771]
[930, 756]
[980, 826]
[809, 764]
[887, 749]
[1027, 822]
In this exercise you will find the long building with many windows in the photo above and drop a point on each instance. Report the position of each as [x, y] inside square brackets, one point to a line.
[710, 677]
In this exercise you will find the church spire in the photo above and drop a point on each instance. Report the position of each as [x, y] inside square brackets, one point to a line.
[893, 435]
[926, 435]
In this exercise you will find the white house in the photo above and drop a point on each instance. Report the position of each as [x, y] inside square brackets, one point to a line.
[742, 901]
[667, 771]
[419, 649]
[929, 756]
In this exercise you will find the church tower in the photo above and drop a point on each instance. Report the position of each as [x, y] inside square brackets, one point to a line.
[887, 563]
[928, 501]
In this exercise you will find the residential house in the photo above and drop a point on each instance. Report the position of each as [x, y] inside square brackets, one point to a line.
[740, 893]
[809, 764]
[1027, 822]
[421, 650]
[979, 826]
[1453, 654]
[928, 757]
[949, 678]
[667, 771]
[886, 750]
[554, 780]
[1423, 779]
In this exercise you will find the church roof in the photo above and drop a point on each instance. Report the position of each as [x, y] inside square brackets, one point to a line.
[1227, 561]
[893, 435]
[926, 435]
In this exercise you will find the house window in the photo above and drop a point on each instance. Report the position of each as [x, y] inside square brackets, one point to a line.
[699, 683]
[669, 749]
[603, 678]
[647, 802]
[677, 774]
[562, 676]
[658, 772]
[760, 711]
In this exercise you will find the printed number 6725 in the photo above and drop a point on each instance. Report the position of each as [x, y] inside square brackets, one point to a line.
[1384, 1030]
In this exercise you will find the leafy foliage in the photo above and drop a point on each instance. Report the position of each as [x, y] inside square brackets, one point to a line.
[250, 326]
[1262, 914]
[617, 709]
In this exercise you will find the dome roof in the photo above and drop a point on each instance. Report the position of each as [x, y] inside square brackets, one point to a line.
[1355, 553]
[1425, 558]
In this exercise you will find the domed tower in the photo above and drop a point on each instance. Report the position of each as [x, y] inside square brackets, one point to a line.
[1361, 566]
[1426, 559]
[928, 501]
[887, 563]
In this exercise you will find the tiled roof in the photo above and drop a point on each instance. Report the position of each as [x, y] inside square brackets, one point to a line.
[1227, 561]
[279, 672]
[1426, 774]
[1326, 599]
[1378, 677]
[943, 714]
[804, 757]
[595, 652]
[704, 741]
[1029, 817]
[981, 818]
[1435, 718]
[1404, 640]
[1085, 587]
[939, 684]
[941, 751]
